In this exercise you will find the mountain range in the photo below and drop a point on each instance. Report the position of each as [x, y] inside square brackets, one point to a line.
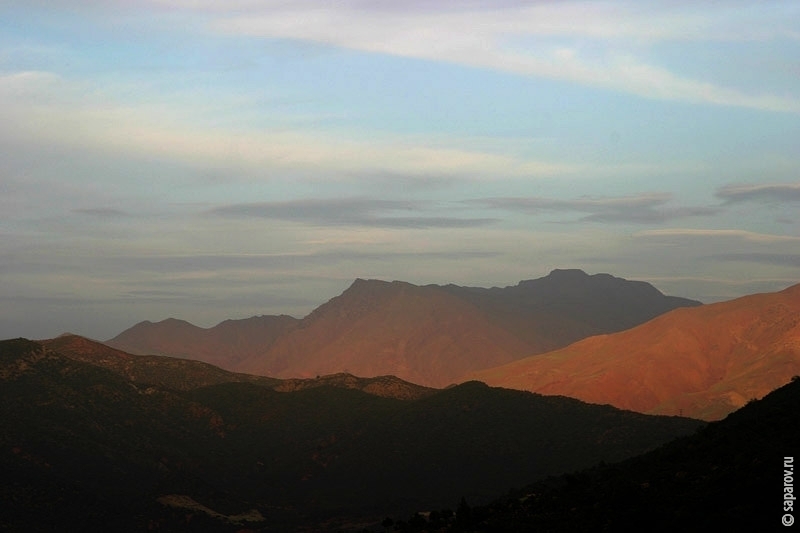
[103, 440]
[702, 362]
[431, 335]
[97, 437]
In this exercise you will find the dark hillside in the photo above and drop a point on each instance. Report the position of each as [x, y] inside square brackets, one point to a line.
[84, 445]
[728, 476]
[80, 445]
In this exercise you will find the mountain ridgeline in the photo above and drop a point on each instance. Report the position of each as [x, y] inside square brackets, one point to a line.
[432, 335]
[103, 440]
[185, 374]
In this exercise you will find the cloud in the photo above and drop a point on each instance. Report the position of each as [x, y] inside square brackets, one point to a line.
[106, 277]
[640, 209]
[43, 108]
[178, 271]
[348, 212]
[591, 43]
[102, 212]
[716, 234]
[785, 192]
[620, 20]
[786, 260]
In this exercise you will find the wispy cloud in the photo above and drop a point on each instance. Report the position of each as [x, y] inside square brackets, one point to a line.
[786, 260]
[102, 212]
[175, 269]
[780, 192]
[642, 209]
[597, 44]
[349, 211]
[717, 234]
[46, 108]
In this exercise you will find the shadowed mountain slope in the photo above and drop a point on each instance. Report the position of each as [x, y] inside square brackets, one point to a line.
[568, 305]
[430, 335]
[82, 445]
[703, 362]
[728, 476]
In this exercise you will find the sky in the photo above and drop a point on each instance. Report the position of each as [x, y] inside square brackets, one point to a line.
[208, 160]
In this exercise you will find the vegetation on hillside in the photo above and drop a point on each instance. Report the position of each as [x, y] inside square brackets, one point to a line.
[729, 475]
[85, 445]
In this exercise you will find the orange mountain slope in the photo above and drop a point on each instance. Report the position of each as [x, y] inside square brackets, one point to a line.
[421, 334]
[702, 362]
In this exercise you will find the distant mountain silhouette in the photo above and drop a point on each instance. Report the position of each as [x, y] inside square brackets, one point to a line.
[225, 345]
[89, 444]
[729, 476]
[424, 335]
[431, 335]
[703, 362]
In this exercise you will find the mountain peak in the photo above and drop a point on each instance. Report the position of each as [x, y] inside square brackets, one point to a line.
[361, 283]
[567, 273]
[573, 283]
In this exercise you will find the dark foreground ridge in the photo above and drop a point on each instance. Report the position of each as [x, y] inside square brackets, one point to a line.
[86, 445]
[728, 476]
